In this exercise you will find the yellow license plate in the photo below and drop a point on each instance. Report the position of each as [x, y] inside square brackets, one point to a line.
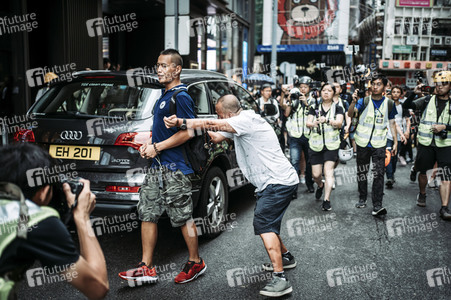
[74, 152]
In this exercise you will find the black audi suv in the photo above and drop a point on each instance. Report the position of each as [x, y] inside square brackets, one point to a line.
[97, 122]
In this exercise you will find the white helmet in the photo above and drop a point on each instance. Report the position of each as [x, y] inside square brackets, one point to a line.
[345, 154]
[295, 90]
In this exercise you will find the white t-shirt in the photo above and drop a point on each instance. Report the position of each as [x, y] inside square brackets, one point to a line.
[400, 121]
[258, 151]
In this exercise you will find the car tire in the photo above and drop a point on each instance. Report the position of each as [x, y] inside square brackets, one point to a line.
[213, 204]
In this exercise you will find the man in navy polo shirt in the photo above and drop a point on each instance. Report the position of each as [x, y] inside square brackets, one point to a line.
[169, 187]
[371, 139]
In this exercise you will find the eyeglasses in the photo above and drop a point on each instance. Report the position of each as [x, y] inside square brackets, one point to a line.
[164, 66]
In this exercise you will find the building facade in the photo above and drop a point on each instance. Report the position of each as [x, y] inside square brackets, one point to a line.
[311, 35]
[75, 35]
[416, 39]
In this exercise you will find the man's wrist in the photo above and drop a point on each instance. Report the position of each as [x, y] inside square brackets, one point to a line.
[157, 148]
[80, 218]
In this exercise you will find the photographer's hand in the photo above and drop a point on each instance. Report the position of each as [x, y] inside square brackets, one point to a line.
[303, 98]
[417, 90]
[355, 96]
[90, 269]
[86, 200]
[436, 128]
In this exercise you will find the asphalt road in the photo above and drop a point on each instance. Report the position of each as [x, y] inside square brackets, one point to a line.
[342, 254]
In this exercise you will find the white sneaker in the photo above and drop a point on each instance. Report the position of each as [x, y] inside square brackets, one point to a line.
[402, 161]
[302, 179]
[287, 152]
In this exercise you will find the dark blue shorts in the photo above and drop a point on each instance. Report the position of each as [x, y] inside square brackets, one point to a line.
[271, 205]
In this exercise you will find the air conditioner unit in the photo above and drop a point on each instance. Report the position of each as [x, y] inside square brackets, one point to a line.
[447, 40]
[437, 40]
[412, 40]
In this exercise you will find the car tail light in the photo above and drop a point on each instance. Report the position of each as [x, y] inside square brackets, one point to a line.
[122, 189]
[133, 139]
[24, 136]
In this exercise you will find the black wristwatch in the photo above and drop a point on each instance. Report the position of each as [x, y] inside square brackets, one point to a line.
[183, 126]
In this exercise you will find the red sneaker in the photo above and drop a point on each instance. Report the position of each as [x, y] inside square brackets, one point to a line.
[191, 271]
[142, 273]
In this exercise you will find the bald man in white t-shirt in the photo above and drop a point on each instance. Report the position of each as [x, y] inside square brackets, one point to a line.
[263, 163]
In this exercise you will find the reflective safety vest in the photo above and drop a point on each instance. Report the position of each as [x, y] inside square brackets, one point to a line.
[296, 123]
[329, 137]
[341, 104]
[372, 126]
[429, 118]
[9, 217]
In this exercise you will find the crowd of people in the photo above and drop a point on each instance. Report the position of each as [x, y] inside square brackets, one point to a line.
[317, 126]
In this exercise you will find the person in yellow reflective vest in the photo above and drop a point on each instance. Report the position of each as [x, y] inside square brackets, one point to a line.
[30, 230]
[434, 139]
[297, 106]
[325, 119]
[375, 116]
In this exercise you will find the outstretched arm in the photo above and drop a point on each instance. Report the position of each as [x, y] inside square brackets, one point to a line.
[208, 124]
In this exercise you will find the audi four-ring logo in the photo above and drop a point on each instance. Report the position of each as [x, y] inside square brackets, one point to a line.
[71, 135]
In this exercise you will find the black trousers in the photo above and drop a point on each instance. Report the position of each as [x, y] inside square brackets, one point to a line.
[406, 149]
[377, 155]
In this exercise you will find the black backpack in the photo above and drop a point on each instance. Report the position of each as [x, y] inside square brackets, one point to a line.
[196, 150]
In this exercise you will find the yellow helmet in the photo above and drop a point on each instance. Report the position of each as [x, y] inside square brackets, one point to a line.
[443, 76]
[49, 77]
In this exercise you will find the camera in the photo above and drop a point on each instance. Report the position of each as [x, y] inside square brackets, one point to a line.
[59, 202]
[419, 75]
[295, 96]
[76, 186]
[442, 134]
[360, 93]
[427, 89]
[315, 93]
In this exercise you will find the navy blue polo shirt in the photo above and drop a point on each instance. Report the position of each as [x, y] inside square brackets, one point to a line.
[171, 158]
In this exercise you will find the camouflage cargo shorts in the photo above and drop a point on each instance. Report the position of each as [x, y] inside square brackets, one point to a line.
[174, 197]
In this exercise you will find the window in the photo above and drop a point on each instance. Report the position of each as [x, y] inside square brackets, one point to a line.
[246, 100]
[413, 55]
[199, 94]
[441, 27]
[109, 99]
[407, 23]
[426, 27]
[218, 89]
[416, 26]
[398, 25]
[423, 53]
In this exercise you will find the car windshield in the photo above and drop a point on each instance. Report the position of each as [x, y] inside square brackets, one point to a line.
[109, 99]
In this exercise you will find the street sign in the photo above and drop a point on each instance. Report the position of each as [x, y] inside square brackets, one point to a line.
[351, 48]
[291, 70]
[283, 67]
[402, 49]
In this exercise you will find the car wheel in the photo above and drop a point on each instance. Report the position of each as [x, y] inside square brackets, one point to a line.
[213, 204]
